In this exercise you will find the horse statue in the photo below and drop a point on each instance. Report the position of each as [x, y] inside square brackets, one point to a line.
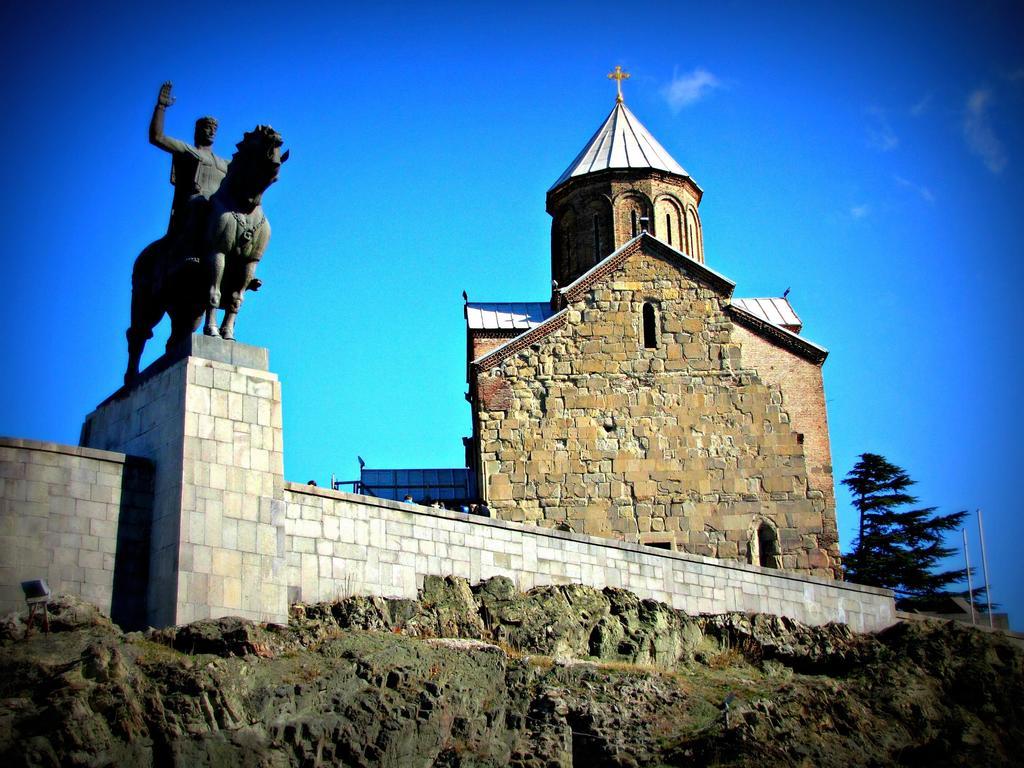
[212, 262]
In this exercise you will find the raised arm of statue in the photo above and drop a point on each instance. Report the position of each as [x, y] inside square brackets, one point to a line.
[156, 124]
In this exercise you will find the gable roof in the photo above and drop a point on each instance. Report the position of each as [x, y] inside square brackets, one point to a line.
[614, 260]
[507, 315]
[510, 347]
[582, 284]
[776, 310]
[779, 335]
[621, 142]
[579, 287]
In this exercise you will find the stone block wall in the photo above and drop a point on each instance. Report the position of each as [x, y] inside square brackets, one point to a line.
[78, 518]
[682, 444]
[198, 521]
[209, 417]
[341, 544]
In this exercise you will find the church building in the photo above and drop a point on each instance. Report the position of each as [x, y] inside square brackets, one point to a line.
[642, 401]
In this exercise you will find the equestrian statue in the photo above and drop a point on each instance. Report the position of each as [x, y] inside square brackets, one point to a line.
[217, 235]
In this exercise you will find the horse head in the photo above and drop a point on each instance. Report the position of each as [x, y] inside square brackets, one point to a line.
[257, 161]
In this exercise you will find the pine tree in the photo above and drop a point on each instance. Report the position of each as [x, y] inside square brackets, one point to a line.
[897, 548]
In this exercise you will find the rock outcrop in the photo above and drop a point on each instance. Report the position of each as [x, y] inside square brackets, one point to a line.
[487, 676]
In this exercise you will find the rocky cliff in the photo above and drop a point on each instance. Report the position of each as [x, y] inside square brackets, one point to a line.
[487, 676]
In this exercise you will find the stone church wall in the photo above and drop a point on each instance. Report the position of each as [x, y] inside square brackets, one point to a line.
[682, 445]
[79, 519]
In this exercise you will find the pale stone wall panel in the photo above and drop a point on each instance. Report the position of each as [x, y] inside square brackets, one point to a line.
[205, 415]
[385, 548]
[79, 519]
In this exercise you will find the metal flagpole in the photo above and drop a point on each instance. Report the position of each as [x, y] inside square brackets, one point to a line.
[984, 562]
[970, 587]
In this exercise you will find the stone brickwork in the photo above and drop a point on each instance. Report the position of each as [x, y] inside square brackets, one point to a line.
[341, 544]
[209, 417]
[230, 537]
[681, 444]
[79, 519]
[595, 214]
[803, 394]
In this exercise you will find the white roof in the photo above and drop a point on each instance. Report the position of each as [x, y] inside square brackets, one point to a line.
[621, 142]
[776, 311]
[507, 316]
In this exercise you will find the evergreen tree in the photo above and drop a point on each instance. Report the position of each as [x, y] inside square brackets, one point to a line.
[897, 548]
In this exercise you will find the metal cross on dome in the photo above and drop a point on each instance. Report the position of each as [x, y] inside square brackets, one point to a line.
[618, 76]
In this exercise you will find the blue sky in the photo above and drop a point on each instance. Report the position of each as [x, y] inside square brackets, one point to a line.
[867, 157]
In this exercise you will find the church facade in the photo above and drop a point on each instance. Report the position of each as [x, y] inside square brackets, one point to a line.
[642, 401]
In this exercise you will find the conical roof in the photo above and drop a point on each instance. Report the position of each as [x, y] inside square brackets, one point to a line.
[621, 142]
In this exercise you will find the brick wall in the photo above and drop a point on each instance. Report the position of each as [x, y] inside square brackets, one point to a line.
[684, 443]
[613, 196]
[482, 342]
[803, 397]
[78, 518]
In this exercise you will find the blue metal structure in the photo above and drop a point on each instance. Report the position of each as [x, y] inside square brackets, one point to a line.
[424, 485]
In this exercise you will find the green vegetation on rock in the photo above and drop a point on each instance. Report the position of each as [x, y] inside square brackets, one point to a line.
[488, 676]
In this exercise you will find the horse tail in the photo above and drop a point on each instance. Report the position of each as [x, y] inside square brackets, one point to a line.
[149, 274]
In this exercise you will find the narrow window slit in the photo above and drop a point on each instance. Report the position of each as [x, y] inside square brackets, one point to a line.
[650, 327]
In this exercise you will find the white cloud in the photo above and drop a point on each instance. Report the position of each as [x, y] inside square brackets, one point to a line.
[860, 211]
[978, 133]
[924, 192]
[881, 136]
[921, 106]
[684, 90]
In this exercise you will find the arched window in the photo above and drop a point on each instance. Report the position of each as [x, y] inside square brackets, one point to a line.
[767, 546]
[668, 218]
[650, 327]
[694, 239]
[632, 218]
[597, 239]
[567, 224]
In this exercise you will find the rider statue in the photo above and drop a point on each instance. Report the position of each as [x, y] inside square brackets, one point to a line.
[195, 170]
[218, 233]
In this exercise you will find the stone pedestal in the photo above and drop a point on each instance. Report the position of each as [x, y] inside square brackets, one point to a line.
[208, 414]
